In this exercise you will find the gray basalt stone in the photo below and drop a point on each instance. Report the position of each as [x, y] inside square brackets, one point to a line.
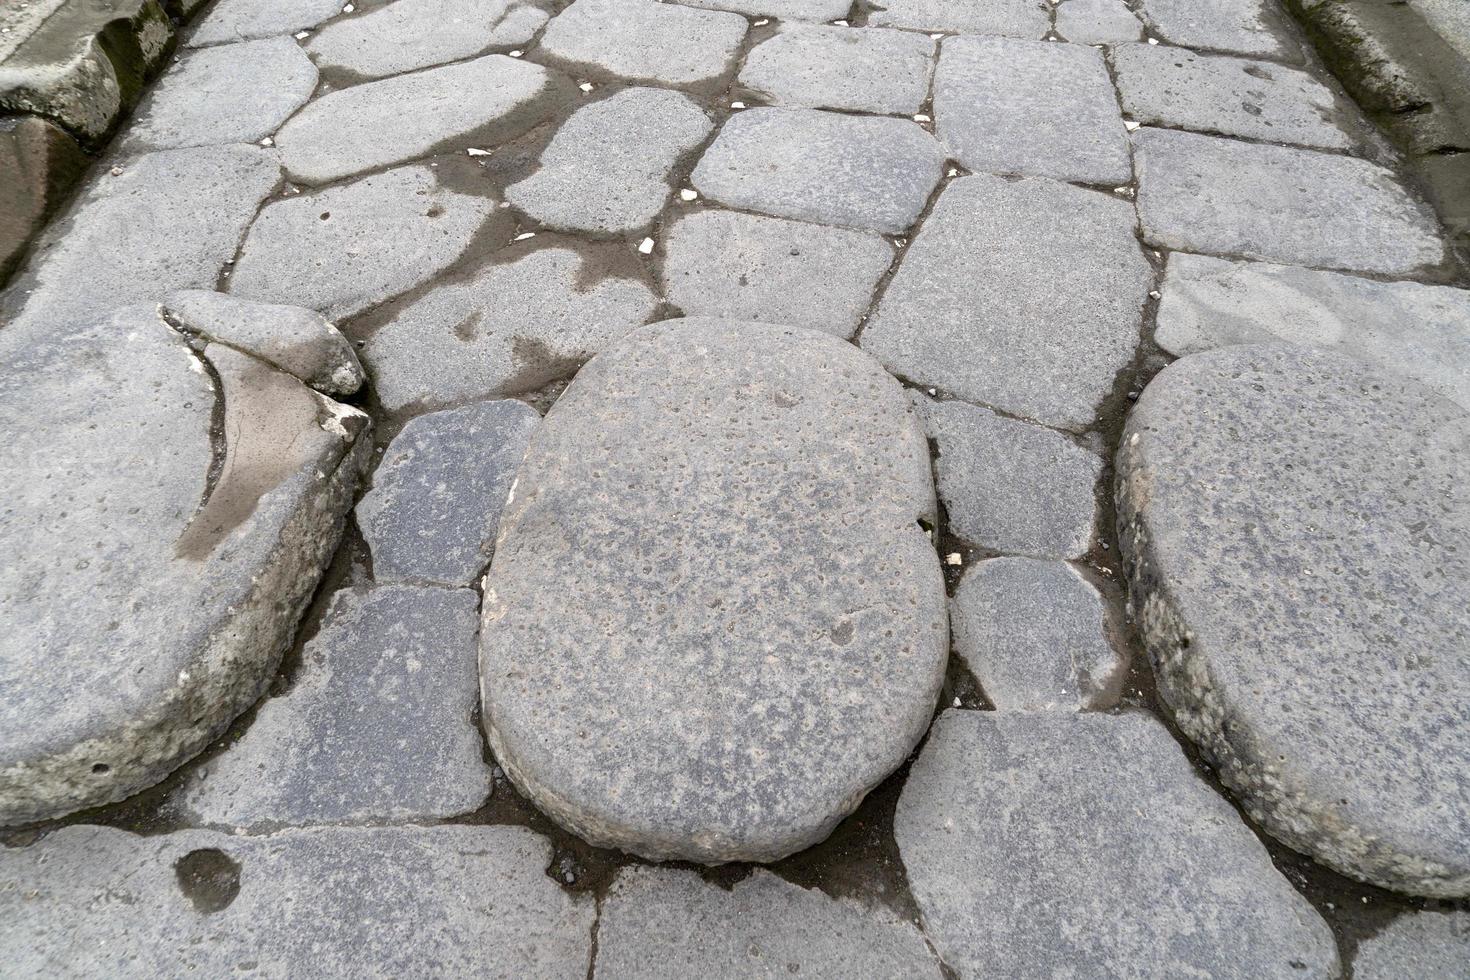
[241, 20]
[1296, 533]
[1097, 22]
[1012, 18]
[644, 41]
[858, 69]
[1252, 27]
[713, 622]
[1417, 944]
[409, 34]
[1025, 834]
[820, 10]
[41, 164]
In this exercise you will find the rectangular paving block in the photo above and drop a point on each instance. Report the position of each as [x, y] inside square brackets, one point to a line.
[644, 41]
[1011, 18]
[860, 69]
[1254, 27]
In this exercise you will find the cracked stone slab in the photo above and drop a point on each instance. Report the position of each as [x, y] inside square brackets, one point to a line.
[1417, 944]
[158, 565]
[406, 35]
[1250, 27]
[1296, 533]
[724, 263]
[818, 10]
[1024, 834]
[1012, 18]
[1097, 22]
[606, 171]
[644, 41]
[364, 902]
[749, 624]
[1030, 107]
[510, 329]
[1023, 295]
[863, 172]
[669, 924]
[437, 493]
[242, 20]
[1419, 331]
[1207, 194]
[324, 250]
[858, 69]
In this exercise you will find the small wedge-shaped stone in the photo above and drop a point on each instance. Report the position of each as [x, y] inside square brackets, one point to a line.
[713, 622]
[408, 34]
[644, 41]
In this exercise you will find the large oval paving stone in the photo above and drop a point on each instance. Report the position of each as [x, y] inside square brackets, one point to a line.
[713, 622]
[1297, 533]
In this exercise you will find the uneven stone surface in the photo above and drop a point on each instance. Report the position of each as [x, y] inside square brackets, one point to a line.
[747, 625]
[437, 492]
[668, 924]
[1024, 834]
[240, 20]
[1012, 18]
[1029, 107]
[644, 41]
[1234, 26]
[1417, 944]
[409, 34]
[1304, 593]
[40, 163]
[1023, 295]
[783, 9]
[855, 171]
[1205, 194]
[859, 69]
[723, 263]
[1097, 22]
[93, 901]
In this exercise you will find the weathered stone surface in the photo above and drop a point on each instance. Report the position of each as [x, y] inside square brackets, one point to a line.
[644, 41]
[363, 902]
[1421, 332]
[241, 20]
[1097, 22]
[1025, 835]
[1296, 529]
[854, 171]
[1205, 194]
[437, 493]
[326, 250]
[606, 171]
[508, 330]
[1235, 26]
[1013, 18]
[723, 263]
[1029, 107]
[1417, 944]
[713, 623]
[1024, 295]
[659, 923]
[783, 9]
[1230, 96]
[39, 164]
[408, 34]
[147, 597]
[79, 91]
[860, 69]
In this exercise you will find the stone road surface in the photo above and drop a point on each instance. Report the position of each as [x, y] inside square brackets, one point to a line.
[1002, 465]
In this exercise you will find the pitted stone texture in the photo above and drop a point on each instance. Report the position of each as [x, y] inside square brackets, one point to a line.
[1206, 194]
[509, 330]
[713, 623]
[1252, 27]
[668, 924]
[1417, 944]
[378, 724]
[723, 263]
[1030, 107]
[386, 122]
[329, 251]
[821, 10]
[409, 34]
[42, 164]
[1421, 332]
[1012, 18]
[437, 493]
[644, 41]
[859, 69]
[1025, 835]
[1024, 295]
[1097, 22]
[855, 171]
[1230, 96]
[606, 171]
[147, 596]
[363, 902]
[241, 20]
[1296, 532]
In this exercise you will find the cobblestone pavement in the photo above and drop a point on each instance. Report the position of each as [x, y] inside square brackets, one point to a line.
[1009, 516]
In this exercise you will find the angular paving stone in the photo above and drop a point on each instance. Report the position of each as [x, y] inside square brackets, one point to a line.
[39, 163]
[1013, 18]
[782, 9]
[1205, 194]
[408, 34]
[1235, 26]
[1417, 944]
[1034, 634]
[328, 902]
[1421, 332]
[1026, 835]
[157, 565]
[1296, 532]
[437, 493]
[1029, 107]
[1010, 486]
[667, 923]
[378, 724]
[713, 623]
[864, 70]
[606, 171]
[856, 171]
[1097, 22]
[644, 41]
[723, 263]
[509, 330]
[235, 93]
[1231, 96]
[1025, 295]
[326, 250]
[240, 20]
